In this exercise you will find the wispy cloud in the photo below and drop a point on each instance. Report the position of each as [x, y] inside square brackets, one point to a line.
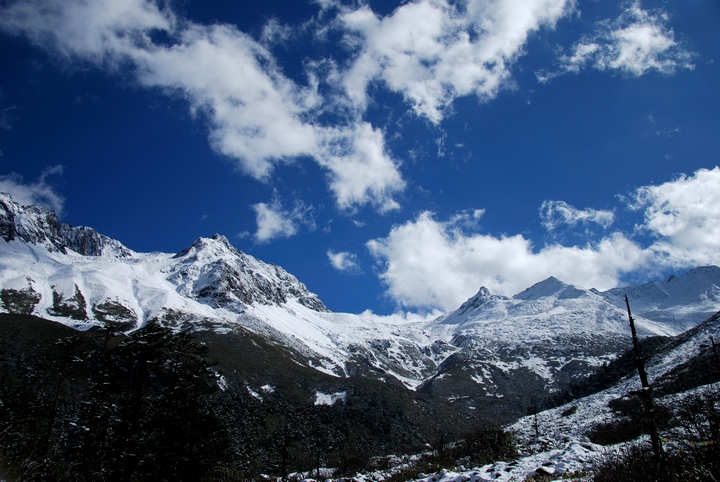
[98, 31]
[554, 214]
[344, 261]
[636, 42]
[7, 113]
[7, 117]
[273, 221]
[38, 192]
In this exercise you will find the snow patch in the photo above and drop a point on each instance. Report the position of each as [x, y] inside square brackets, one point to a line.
[330, 399]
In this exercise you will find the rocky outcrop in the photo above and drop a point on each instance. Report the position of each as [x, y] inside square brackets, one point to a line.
[211, 269]
[40, 226]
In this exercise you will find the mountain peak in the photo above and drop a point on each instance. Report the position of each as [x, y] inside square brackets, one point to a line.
[213, 270]
[709, 272]
[483, 296]
[216, 246]
[698, 287]
[40, 225]
[550, 287]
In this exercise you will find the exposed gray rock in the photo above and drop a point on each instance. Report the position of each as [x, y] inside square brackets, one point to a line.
[40, 225]
[214, 271]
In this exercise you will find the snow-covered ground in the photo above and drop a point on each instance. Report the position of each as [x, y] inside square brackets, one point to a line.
[562, 452]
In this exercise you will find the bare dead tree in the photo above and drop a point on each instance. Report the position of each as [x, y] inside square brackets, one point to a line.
[715, 353]
[646, 393]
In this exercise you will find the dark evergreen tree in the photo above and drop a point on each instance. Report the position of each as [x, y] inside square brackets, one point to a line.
[165, 428]
[144, 410]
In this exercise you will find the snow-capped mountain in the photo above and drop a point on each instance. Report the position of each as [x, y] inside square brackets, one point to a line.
[536, 342]
[492, 355]
[40, 226]
[680, 301]
[47, 269]
[566, 428]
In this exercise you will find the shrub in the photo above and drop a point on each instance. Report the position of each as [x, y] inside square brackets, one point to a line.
[692, 449]
[617, 431]
[638, 464]
[634, 463]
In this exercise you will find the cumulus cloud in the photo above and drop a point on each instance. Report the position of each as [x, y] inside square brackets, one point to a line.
[361, 170]
[273, 221]
[430, 263]
[554, 214]
[38, 192]
[254, 112]
[684, 216]
[433, 51]
[636, 42]
[344, 261]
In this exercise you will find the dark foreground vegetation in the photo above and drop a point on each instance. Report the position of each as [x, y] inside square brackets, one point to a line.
[151, 406]
[690, 429]
[79, 408]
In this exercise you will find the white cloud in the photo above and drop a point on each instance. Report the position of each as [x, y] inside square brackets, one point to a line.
[401, 317]
[275, 222]
[432, 51]
[430, 263]
[254, 112]
[259, 117]
[554, 214]
[424, 275]
[96, 31]
[39, 192]
[684, 216]
[256, 116]
[344, 261]
[636, 42]
[274, 33]
[361, 171]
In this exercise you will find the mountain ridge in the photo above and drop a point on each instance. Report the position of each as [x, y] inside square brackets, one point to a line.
[488, 357]
[38, 224]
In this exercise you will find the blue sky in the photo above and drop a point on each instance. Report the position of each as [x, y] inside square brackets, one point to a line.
[392, 155]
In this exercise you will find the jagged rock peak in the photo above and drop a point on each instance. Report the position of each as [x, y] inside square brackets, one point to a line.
[483, 296]
[40, 225]
[213, 270]
[216, 243]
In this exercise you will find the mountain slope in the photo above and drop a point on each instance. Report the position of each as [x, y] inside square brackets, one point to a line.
[680, 301]
[45, 270]
[685, 364]
[490, 358]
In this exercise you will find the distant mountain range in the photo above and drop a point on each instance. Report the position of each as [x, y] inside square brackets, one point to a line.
[489, 359]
